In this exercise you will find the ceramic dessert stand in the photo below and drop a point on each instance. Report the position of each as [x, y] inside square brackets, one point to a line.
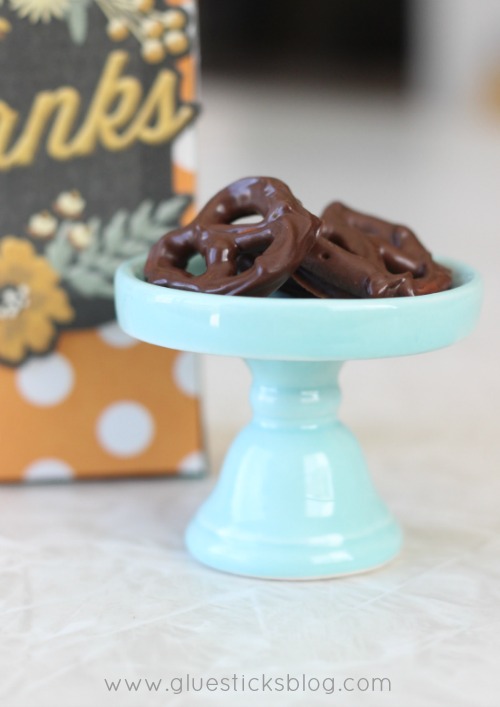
[294, 499]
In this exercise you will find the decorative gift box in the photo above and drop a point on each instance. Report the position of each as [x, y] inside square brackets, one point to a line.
[97, 147]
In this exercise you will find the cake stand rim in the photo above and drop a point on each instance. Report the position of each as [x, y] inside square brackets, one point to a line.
[225, 325]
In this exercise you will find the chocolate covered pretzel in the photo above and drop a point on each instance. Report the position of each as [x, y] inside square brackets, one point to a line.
[357, 255]
[241, 258]
[401, 251]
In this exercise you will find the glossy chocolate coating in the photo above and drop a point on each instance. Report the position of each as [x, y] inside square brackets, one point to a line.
[241, 258]
[357, 255]
[401, 251]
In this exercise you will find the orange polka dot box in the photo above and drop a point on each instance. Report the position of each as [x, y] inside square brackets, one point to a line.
[97, 148]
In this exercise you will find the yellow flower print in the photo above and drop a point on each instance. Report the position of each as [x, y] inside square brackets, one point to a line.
[32, 303]
[5, 27]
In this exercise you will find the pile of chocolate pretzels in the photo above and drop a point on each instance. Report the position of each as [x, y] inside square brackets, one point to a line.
[342, 254]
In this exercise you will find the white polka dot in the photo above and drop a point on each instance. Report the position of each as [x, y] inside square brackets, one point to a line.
[193, 465]
[125, 429]
[186, 374]
[184, 150]
[112, 334]
[45, 381]
[48, 470]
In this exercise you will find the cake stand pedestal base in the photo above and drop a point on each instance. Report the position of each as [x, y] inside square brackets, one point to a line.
[294, 499]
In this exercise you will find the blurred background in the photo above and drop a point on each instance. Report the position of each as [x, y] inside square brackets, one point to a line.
[393, 107]
[449, 49]
[328, 42]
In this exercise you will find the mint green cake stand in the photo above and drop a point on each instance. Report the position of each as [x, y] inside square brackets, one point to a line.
[294, 499]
